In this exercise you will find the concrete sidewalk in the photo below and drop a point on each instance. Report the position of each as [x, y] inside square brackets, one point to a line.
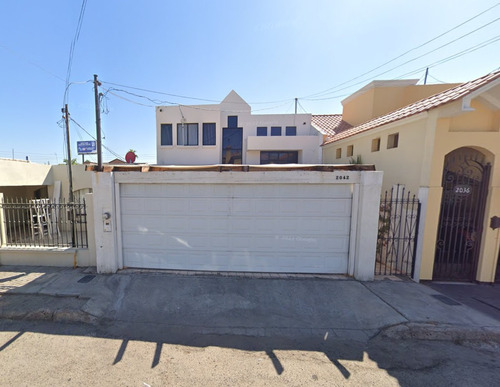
[257, 305]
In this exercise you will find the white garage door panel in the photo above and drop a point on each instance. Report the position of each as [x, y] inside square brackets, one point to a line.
[244, 227]
[272, 243]
[236, 206]
[241, 190]
[167, 225]
[223, 261]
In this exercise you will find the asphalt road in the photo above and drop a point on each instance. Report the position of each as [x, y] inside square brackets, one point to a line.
[43, 354]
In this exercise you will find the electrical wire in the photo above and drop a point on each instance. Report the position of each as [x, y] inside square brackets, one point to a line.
[72, 49]
[455, 56]
[434, 64]
[324, 95]
[302, 107]
[403, 54]
[186, 97]
[155, 101]
[92, 136]
[110, 91]
[17, 54]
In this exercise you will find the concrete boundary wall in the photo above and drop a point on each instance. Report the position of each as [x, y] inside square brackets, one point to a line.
[365, 188]
[51, 256]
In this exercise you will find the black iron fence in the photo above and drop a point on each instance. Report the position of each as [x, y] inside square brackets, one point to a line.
[42, 223]
[398, 233]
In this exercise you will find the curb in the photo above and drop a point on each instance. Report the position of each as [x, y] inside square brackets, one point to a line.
[45, 307]
[62, 315]
[442, 332]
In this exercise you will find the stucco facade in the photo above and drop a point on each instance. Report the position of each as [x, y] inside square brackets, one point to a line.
[297, 138]
[26, 180]
[22, 181]
[411, 145]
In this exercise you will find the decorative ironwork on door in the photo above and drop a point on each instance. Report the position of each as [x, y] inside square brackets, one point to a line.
[465, 188]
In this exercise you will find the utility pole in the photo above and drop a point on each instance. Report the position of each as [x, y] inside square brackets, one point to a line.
[296, 100]
[70, 173]
[68, 145]
[98, 122]
[426, 73]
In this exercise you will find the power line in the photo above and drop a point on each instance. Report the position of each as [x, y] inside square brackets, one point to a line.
[437, 80]
[92, 136]
[335, 88]
[403, 54]
[302, 107]
[159, 92]
[17, 54]
[434, 64]
[110, 91]
[72, 49]
[155, 101]
[186, 97]
[455, 56]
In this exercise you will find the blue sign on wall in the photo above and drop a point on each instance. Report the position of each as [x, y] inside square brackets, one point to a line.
[86, 147]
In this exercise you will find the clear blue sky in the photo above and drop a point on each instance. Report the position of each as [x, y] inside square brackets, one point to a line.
[266, 50]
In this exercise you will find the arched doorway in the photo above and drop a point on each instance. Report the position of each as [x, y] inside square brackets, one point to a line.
[465, 188]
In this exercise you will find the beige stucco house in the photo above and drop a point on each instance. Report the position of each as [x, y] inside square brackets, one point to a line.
[443, 143]
[26, 180]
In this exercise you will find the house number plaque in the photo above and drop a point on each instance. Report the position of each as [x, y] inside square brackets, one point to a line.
[462, 189]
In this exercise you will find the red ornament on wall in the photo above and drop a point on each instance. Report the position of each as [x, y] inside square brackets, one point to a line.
[130, 157]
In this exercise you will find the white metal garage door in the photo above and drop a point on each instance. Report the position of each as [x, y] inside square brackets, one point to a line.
[236, 227]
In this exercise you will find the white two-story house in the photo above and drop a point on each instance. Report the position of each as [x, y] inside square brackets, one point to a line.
[228, 133]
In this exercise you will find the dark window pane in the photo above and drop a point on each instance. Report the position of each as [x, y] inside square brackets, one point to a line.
[232, 145]
[283, 158]
[291, 131]
[262, 131]
[232, 121]
[187, 134]
[232, 156]
[276, 157]
[166, 134]
[232, 138]
[275, 130]
[209, 134]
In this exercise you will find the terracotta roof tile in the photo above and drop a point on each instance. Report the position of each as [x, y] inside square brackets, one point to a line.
[423, 105]
[330, 124]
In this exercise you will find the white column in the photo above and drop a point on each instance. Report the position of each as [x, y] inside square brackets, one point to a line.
[367, 225]
[105, 238]
[89, 202]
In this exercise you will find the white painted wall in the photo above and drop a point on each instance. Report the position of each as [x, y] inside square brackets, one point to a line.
[307, 141]
[20, 178]
[188, 155]
[23, 173]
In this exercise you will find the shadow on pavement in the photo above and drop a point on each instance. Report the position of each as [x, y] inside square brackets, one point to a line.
[170, 310]
[484, 298]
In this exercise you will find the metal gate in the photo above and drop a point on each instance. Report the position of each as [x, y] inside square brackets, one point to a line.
[465, 188]
[398, 232]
